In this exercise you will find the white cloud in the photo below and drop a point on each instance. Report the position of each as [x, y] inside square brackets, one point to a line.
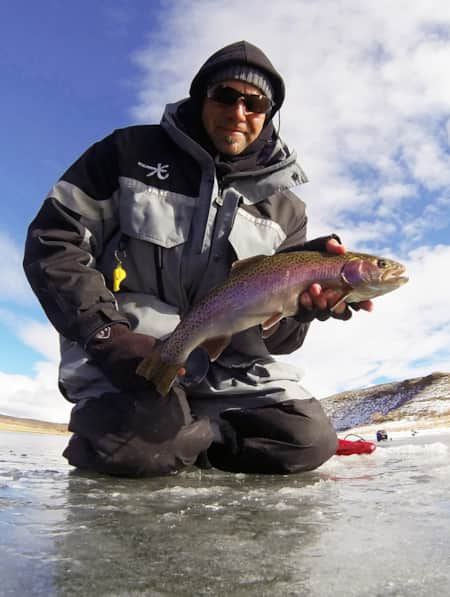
[393, 192]
[41, 337]
[15, 287]
[34, 397]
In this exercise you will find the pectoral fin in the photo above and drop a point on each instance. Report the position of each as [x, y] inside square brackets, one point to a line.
[344, 299]
[215, 346]
[273, 320]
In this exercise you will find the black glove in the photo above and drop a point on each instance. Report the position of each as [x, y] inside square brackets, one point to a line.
[316, 244]
[117, 351]
[308, 315]
[320, 243]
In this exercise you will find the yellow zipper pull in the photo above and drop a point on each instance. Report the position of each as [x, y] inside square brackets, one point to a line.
[119, 274]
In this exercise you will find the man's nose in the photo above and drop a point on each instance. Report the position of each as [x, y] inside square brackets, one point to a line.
[239, 110]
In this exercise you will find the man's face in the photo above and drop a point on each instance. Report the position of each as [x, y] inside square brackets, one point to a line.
[230, 128]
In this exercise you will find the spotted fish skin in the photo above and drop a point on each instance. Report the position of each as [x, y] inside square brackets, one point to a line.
[260, 291]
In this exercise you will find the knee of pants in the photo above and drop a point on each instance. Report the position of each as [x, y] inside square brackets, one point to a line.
[152, 437]
[287, 437]
[312, 431]
[129, 455]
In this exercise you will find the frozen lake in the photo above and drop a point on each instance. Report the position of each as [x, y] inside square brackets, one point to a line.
[361, 525]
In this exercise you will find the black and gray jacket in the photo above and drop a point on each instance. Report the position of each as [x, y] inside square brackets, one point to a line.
[148, 197]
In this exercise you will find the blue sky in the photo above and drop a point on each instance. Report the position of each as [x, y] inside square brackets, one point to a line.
[62, 87]
[368, 111]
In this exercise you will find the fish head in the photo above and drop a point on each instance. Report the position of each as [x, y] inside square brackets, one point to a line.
[369, 276]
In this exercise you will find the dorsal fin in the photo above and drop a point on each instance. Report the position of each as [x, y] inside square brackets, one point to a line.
[243, 264]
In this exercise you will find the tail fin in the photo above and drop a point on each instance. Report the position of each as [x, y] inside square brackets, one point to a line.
[161, 374]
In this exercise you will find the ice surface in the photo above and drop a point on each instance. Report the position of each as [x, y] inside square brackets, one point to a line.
[375, 524]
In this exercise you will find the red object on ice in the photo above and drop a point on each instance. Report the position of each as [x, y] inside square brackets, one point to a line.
[347, 447]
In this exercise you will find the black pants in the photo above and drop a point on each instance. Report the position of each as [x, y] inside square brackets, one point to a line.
[143, 435]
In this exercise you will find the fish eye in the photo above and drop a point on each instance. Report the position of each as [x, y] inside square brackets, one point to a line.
[382, 263]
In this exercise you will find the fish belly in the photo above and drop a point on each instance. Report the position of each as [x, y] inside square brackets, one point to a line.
[234, 309]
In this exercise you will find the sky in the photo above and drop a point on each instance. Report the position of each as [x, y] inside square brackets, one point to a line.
[367, 111]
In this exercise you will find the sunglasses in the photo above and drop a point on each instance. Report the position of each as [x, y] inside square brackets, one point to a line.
[229, 96]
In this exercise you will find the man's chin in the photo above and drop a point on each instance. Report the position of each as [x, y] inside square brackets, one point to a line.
[231, 146]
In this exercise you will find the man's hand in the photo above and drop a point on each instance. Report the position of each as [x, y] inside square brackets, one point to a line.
[117, 351]
[318, 301]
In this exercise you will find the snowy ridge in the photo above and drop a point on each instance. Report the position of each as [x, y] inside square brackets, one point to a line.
[423, 397]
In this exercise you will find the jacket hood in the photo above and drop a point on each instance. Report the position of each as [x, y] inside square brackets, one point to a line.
[241, 52]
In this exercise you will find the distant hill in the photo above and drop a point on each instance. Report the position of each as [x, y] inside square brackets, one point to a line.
[31, 425]
[421, 398]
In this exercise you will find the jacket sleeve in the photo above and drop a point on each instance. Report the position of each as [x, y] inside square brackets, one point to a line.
[66, 238]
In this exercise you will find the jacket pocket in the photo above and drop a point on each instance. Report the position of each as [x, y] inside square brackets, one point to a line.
[251, 236]
[155, 224]
[154, 215]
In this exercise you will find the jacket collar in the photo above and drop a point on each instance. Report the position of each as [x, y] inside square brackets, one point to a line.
[254, 185]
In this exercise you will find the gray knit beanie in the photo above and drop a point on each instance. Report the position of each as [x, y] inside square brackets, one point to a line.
[243, 72]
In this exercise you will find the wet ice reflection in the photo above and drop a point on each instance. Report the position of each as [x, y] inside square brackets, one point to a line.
[360, 525]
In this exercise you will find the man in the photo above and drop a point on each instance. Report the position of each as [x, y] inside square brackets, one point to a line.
[138, 229]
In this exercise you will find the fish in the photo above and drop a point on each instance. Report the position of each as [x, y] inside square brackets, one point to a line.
[260, 291]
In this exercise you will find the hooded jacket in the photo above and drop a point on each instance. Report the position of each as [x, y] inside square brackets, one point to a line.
[149, 198]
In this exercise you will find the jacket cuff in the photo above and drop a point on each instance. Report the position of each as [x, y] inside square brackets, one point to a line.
[88, 325]
[288, 337]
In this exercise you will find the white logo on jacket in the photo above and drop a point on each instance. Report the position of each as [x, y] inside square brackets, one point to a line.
[160, 170]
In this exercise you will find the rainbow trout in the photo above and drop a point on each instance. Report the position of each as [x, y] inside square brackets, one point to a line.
[261, 291]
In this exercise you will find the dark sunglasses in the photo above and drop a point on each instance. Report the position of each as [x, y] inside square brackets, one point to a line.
[229, 96]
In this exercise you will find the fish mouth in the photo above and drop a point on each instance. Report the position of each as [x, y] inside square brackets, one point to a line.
[401, 279]
[396, 275]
